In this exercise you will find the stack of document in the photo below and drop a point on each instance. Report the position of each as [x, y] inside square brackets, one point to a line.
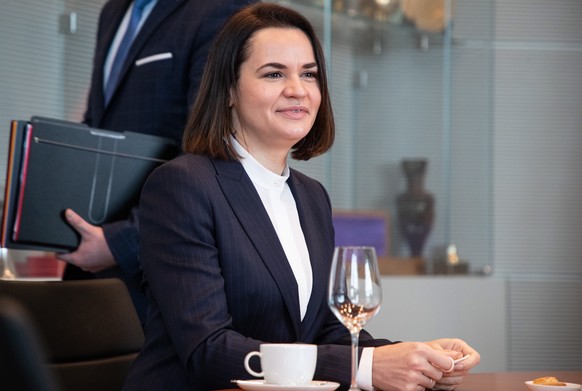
[54, 165]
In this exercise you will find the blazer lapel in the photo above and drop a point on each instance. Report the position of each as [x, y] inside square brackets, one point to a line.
[160, 12]
[311, 224]
[114, 18]
[248, 207]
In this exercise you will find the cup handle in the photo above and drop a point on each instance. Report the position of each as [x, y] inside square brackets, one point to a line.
[248, 367]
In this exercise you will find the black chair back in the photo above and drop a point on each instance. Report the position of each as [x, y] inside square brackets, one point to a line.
[22, 356]
[89, 328]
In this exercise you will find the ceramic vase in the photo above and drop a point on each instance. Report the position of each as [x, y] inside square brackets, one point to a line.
[415, 206]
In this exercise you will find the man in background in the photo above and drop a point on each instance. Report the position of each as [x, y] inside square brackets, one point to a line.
[145, 82]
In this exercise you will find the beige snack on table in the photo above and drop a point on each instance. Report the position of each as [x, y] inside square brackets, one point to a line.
[549, 381]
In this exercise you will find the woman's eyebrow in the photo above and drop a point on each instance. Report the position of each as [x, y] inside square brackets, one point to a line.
[277, 65]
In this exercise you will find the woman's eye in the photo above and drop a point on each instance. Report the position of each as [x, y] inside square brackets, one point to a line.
[273, 75]
[312, 75]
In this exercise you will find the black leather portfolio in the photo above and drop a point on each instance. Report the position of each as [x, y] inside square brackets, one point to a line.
[54, 165]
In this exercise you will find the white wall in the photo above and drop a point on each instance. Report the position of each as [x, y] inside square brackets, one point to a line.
[427, 307]
[537, 179]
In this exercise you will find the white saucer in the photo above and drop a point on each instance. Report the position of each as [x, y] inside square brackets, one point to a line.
[260, 385]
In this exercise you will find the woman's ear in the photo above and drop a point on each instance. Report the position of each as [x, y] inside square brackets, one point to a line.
[230, 98]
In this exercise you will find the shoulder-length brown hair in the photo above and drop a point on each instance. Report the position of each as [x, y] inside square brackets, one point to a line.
[209, 124]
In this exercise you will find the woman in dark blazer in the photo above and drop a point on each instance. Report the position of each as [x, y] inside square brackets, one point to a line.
[236, 246]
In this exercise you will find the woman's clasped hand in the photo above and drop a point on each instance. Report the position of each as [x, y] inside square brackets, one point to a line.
[408, 366]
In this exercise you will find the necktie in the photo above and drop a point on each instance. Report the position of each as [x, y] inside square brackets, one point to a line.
[123, 49]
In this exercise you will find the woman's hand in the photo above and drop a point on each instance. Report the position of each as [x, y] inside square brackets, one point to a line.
[456, 348]
[408, 366]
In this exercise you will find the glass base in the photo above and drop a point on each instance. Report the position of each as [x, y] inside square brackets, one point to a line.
[7, 268]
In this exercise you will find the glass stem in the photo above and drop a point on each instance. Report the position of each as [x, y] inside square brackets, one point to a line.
[355, 338]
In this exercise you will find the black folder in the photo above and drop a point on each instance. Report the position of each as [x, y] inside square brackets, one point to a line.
[54, 165]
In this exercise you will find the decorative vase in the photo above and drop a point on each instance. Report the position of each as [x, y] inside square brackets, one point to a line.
[415, 206]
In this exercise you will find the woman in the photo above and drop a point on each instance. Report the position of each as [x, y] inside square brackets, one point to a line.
[236, 247]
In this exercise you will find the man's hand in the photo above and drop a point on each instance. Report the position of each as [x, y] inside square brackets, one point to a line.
[93, 254]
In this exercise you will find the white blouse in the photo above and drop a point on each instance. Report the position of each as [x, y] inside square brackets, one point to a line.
[280, 205]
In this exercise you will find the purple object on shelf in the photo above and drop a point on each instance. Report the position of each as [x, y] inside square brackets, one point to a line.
[362, 229]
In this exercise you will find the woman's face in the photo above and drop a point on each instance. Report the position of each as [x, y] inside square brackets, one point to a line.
[277, 96]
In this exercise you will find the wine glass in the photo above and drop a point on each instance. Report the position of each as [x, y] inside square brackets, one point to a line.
[355, 292]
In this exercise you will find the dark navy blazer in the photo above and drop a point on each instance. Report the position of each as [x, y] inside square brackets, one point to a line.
[219, 283]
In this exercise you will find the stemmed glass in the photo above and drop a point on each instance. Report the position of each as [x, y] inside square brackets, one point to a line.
[355, 292]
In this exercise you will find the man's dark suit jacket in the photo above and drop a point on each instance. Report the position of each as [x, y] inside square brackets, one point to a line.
[158, 85]
[218, 281]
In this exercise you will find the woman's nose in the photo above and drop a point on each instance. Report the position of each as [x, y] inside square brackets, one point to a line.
[295, 87]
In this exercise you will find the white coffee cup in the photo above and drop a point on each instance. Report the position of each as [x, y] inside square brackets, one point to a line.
[289, 364]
